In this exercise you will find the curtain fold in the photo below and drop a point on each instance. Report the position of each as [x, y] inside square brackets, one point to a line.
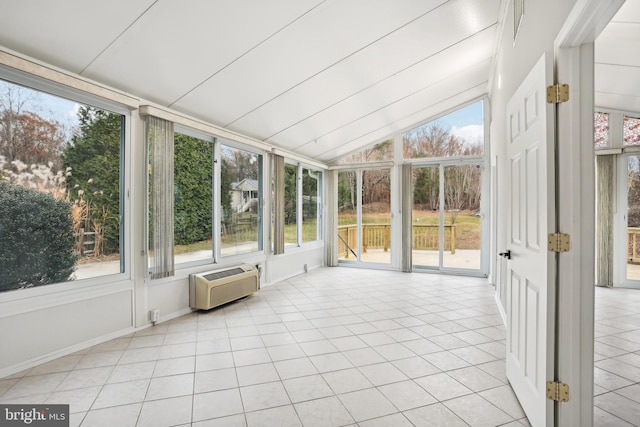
[407, 208]
[331, 235]
[604, 219]
[278, 204]
[160, 146]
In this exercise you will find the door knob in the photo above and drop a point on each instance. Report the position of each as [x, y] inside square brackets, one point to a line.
[506, 254]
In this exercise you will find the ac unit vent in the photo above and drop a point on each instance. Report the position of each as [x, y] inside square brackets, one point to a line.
[223, 273]
[214, 288]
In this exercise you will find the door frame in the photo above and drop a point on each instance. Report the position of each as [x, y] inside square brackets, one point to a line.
[574, 59]
[358, 170]
[620, 223]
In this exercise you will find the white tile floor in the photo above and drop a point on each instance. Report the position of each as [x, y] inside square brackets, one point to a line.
[617, 357]
[336, 346]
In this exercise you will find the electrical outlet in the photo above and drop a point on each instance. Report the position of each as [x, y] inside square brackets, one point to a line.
[154, 315]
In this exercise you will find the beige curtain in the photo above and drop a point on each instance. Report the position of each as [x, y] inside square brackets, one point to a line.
[407, 208]
[278, 204]
[604, 219]
[159, 134]
[331, 221]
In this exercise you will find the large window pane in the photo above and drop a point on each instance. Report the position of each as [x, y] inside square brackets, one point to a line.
[375, 153]
[633, 218]
[60, 191]
[631, 131]
[311, 205]
[376, 216]
[425, 243]
[193, 198]
[460, 133]
[290, 204]
[462, 216]
[600, 129]
[241, 201]
[347, 216]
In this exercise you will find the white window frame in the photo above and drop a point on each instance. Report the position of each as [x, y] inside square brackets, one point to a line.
[194, 133]
[39, 297]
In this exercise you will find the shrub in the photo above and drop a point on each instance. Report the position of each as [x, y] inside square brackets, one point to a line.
[36, 238]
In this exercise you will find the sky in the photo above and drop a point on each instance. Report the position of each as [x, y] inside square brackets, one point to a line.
[48, 106]
[466, 123]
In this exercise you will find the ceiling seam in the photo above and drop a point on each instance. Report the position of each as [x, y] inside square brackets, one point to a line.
[614, 64]
[382, 80]
[382, 127]
[398, 100]
[339, 61]
[117, 37]
[246, 53]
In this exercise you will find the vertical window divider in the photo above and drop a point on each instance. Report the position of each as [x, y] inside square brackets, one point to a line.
[299, 205]
[217, 232]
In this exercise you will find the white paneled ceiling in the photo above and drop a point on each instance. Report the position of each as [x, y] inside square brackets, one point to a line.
[320, 78]
[617, 61]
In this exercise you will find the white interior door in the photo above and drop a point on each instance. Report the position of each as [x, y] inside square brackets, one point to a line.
[530, 269]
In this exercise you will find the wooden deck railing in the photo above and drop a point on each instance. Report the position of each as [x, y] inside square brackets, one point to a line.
[633, 245]
[378, 236]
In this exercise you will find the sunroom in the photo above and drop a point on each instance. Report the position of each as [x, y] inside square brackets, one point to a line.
[410, 143]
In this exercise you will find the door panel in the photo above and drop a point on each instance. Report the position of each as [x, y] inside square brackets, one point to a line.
[531, 268]
[425, 244]
[376, 216]
[462, 220]
[347, 216]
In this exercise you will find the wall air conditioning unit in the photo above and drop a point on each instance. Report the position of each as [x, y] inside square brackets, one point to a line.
[213, 288]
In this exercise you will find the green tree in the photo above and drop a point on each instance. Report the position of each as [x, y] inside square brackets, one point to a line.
[193, 159]
[427, 187]
[225, 190]
[290, 201]
[36, 238]
[94, 159]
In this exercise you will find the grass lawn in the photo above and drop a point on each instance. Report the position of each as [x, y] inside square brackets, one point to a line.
[467, 224]
[467, 229]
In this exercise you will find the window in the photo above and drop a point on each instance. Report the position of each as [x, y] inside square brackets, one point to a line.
[382, 151]
[601, 130]
[61, 178]
[193, 198]
[241, 201]
[290, 204]
[460, 133]
[311, 205]
[631, 131]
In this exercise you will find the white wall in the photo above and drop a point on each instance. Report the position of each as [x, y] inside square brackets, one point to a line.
[540, 25]
[32, 336]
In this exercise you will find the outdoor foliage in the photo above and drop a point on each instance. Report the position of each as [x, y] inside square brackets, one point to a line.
[290, 202]
[93, 157]
[36, 238]
[193, 189]
[25, 135]
[633, 198]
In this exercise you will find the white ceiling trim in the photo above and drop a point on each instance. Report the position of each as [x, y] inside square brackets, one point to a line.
[36, 68]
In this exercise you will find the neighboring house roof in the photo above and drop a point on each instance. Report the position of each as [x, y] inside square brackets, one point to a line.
[245, 185]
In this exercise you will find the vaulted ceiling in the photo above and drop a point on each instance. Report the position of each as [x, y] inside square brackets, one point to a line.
[321, 78]
[617, 62]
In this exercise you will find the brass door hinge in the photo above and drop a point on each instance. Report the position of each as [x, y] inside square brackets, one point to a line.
[557, 93]
[557, 391]
[559, 242]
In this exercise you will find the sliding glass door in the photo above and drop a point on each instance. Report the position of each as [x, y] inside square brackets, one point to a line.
[364, 216]
[446, 217]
